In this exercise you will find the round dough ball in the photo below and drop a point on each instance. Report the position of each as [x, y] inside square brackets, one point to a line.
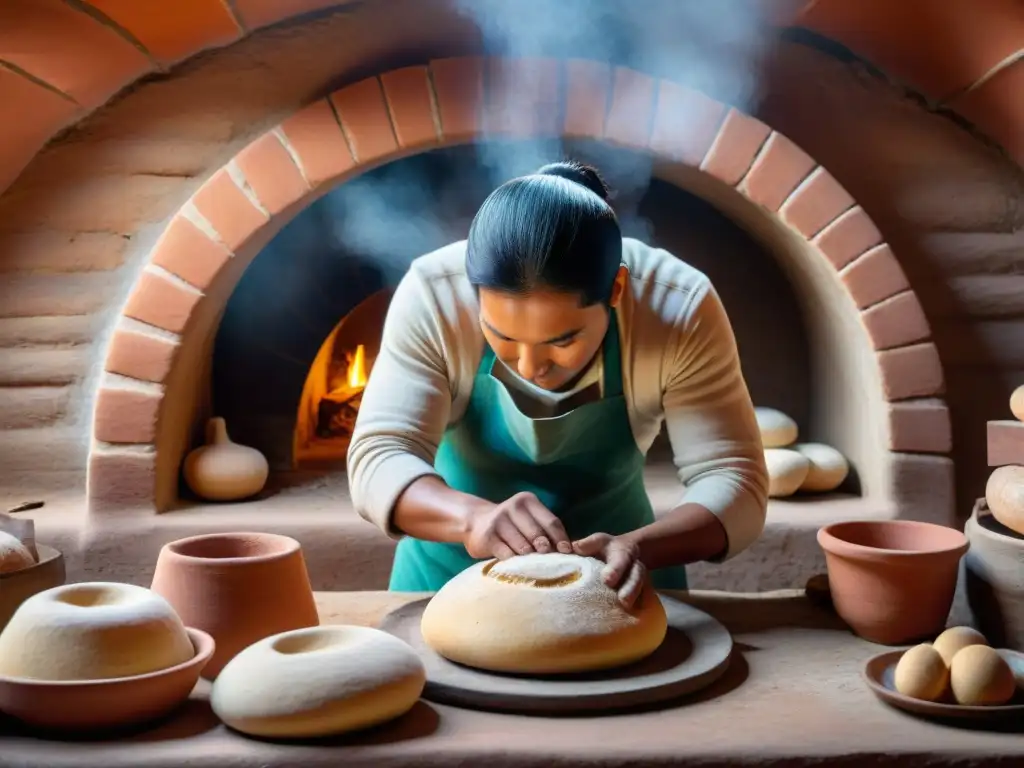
[1017, 403]
[1004, 493]
[14, 556]
[955, 639]
[318, 681]
[922, 674]
[777, 429]
[979, 676]
[540, 614]
[787, 471]
[828, 467]
[93, 631]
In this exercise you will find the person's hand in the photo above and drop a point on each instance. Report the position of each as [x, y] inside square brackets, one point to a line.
[623, 570]
[518, 526]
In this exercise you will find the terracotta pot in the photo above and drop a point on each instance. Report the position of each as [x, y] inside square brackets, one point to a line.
[19, 586]
[892, 581]
[239, 587]
[994, 579]
[100, 705]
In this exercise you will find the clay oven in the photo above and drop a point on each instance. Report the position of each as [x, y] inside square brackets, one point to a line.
[254, 292]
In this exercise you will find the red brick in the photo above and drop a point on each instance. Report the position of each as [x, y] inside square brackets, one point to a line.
[272, 174]
[364, 118]
[161, 303]
[261, 13]
[126, 415]
[873, 277]
[777, 171]
[175, 32]
[920, 426]
[523, 97]
[896, 322]
[588, 86]
[817, 202]
[184, 250]
[315, 136]
[231, 214]
[459, 90]
[68, 49]
[631, 113]
[119, 480]
[848, 237]
[685, 123]
[914, 371]
[410, 102]
[1005, 443]
[735, 147]
[140, 355]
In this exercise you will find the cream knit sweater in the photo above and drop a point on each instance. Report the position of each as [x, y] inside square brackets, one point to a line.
[679, 365]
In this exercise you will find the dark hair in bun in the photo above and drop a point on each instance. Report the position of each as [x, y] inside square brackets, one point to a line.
[551, 229]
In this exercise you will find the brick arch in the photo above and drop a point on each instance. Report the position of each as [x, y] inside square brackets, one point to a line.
[141, 427]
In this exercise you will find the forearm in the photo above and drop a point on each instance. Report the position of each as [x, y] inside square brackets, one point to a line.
[688, 534]
[430, 510]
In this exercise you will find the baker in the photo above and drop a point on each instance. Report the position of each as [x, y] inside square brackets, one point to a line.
[523, 375]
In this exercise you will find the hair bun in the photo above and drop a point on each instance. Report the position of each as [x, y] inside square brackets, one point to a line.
[584, 175]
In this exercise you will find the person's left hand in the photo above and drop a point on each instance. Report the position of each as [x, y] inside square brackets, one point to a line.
[623, 570]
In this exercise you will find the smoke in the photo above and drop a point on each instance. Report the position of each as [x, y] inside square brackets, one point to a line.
[715, 46]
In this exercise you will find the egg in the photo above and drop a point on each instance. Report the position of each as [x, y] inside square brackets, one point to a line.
[979, 676]
[955, 639]
[922, 674]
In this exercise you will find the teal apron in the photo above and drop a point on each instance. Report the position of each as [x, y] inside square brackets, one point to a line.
[583, 465]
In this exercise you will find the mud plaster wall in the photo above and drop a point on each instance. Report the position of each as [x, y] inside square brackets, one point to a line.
[77, 226]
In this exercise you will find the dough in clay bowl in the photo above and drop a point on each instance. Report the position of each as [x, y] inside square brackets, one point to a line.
[93, 631]
[14, 556]
[828, 468]
[320, 681]
[787, 471]
[540, 614]
[777, 429]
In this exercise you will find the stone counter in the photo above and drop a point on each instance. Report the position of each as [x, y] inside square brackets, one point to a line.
[793, 696]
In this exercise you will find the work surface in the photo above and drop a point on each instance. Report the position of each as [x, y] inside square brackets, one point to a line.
[793, 696]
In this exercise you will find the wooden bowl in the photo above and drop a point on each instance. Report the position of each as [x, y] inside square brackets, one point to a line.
[100, 705]
[18, 586]
[880, 671]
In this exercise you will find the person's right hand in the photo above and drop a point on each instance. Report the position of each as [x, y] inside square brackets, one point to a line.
[517, 526]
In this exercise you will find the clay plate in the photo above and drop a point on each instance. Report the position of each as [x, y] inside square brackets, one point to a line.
[880, 671]
[694, 655]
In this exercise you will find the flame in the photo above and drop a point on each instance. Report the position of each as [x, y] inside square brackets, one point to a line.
[356, 376]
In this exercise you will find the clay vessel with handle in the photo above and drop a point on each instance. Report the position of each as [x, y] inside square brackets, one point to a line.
[892, 581]
[239, 587]
[994, 579]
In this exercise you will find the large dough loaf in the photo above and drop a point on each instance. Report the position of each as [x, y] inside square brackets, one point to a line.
[540, 614]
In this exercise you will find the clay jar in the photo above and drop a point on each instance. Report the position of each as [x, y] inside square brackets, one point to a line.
[892, 581]
[994, 579]
[223, 470]
[238, 587]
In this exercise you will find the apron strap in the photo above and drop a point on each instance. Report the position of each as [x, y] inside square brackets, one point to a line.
[612, 358]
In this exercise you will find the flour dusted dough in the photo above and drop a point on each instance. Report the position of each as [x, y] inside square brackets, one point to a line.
[319, 681]
[540, 614]
[777, 429]
[787, 471]
[14, 556]
[828, 469]
[93, 631]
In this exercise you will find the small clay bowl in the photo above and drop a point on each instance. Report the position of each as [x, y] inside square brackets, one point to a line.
[103, 705]
[17, 586]
[880, 672]
[892, 581]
